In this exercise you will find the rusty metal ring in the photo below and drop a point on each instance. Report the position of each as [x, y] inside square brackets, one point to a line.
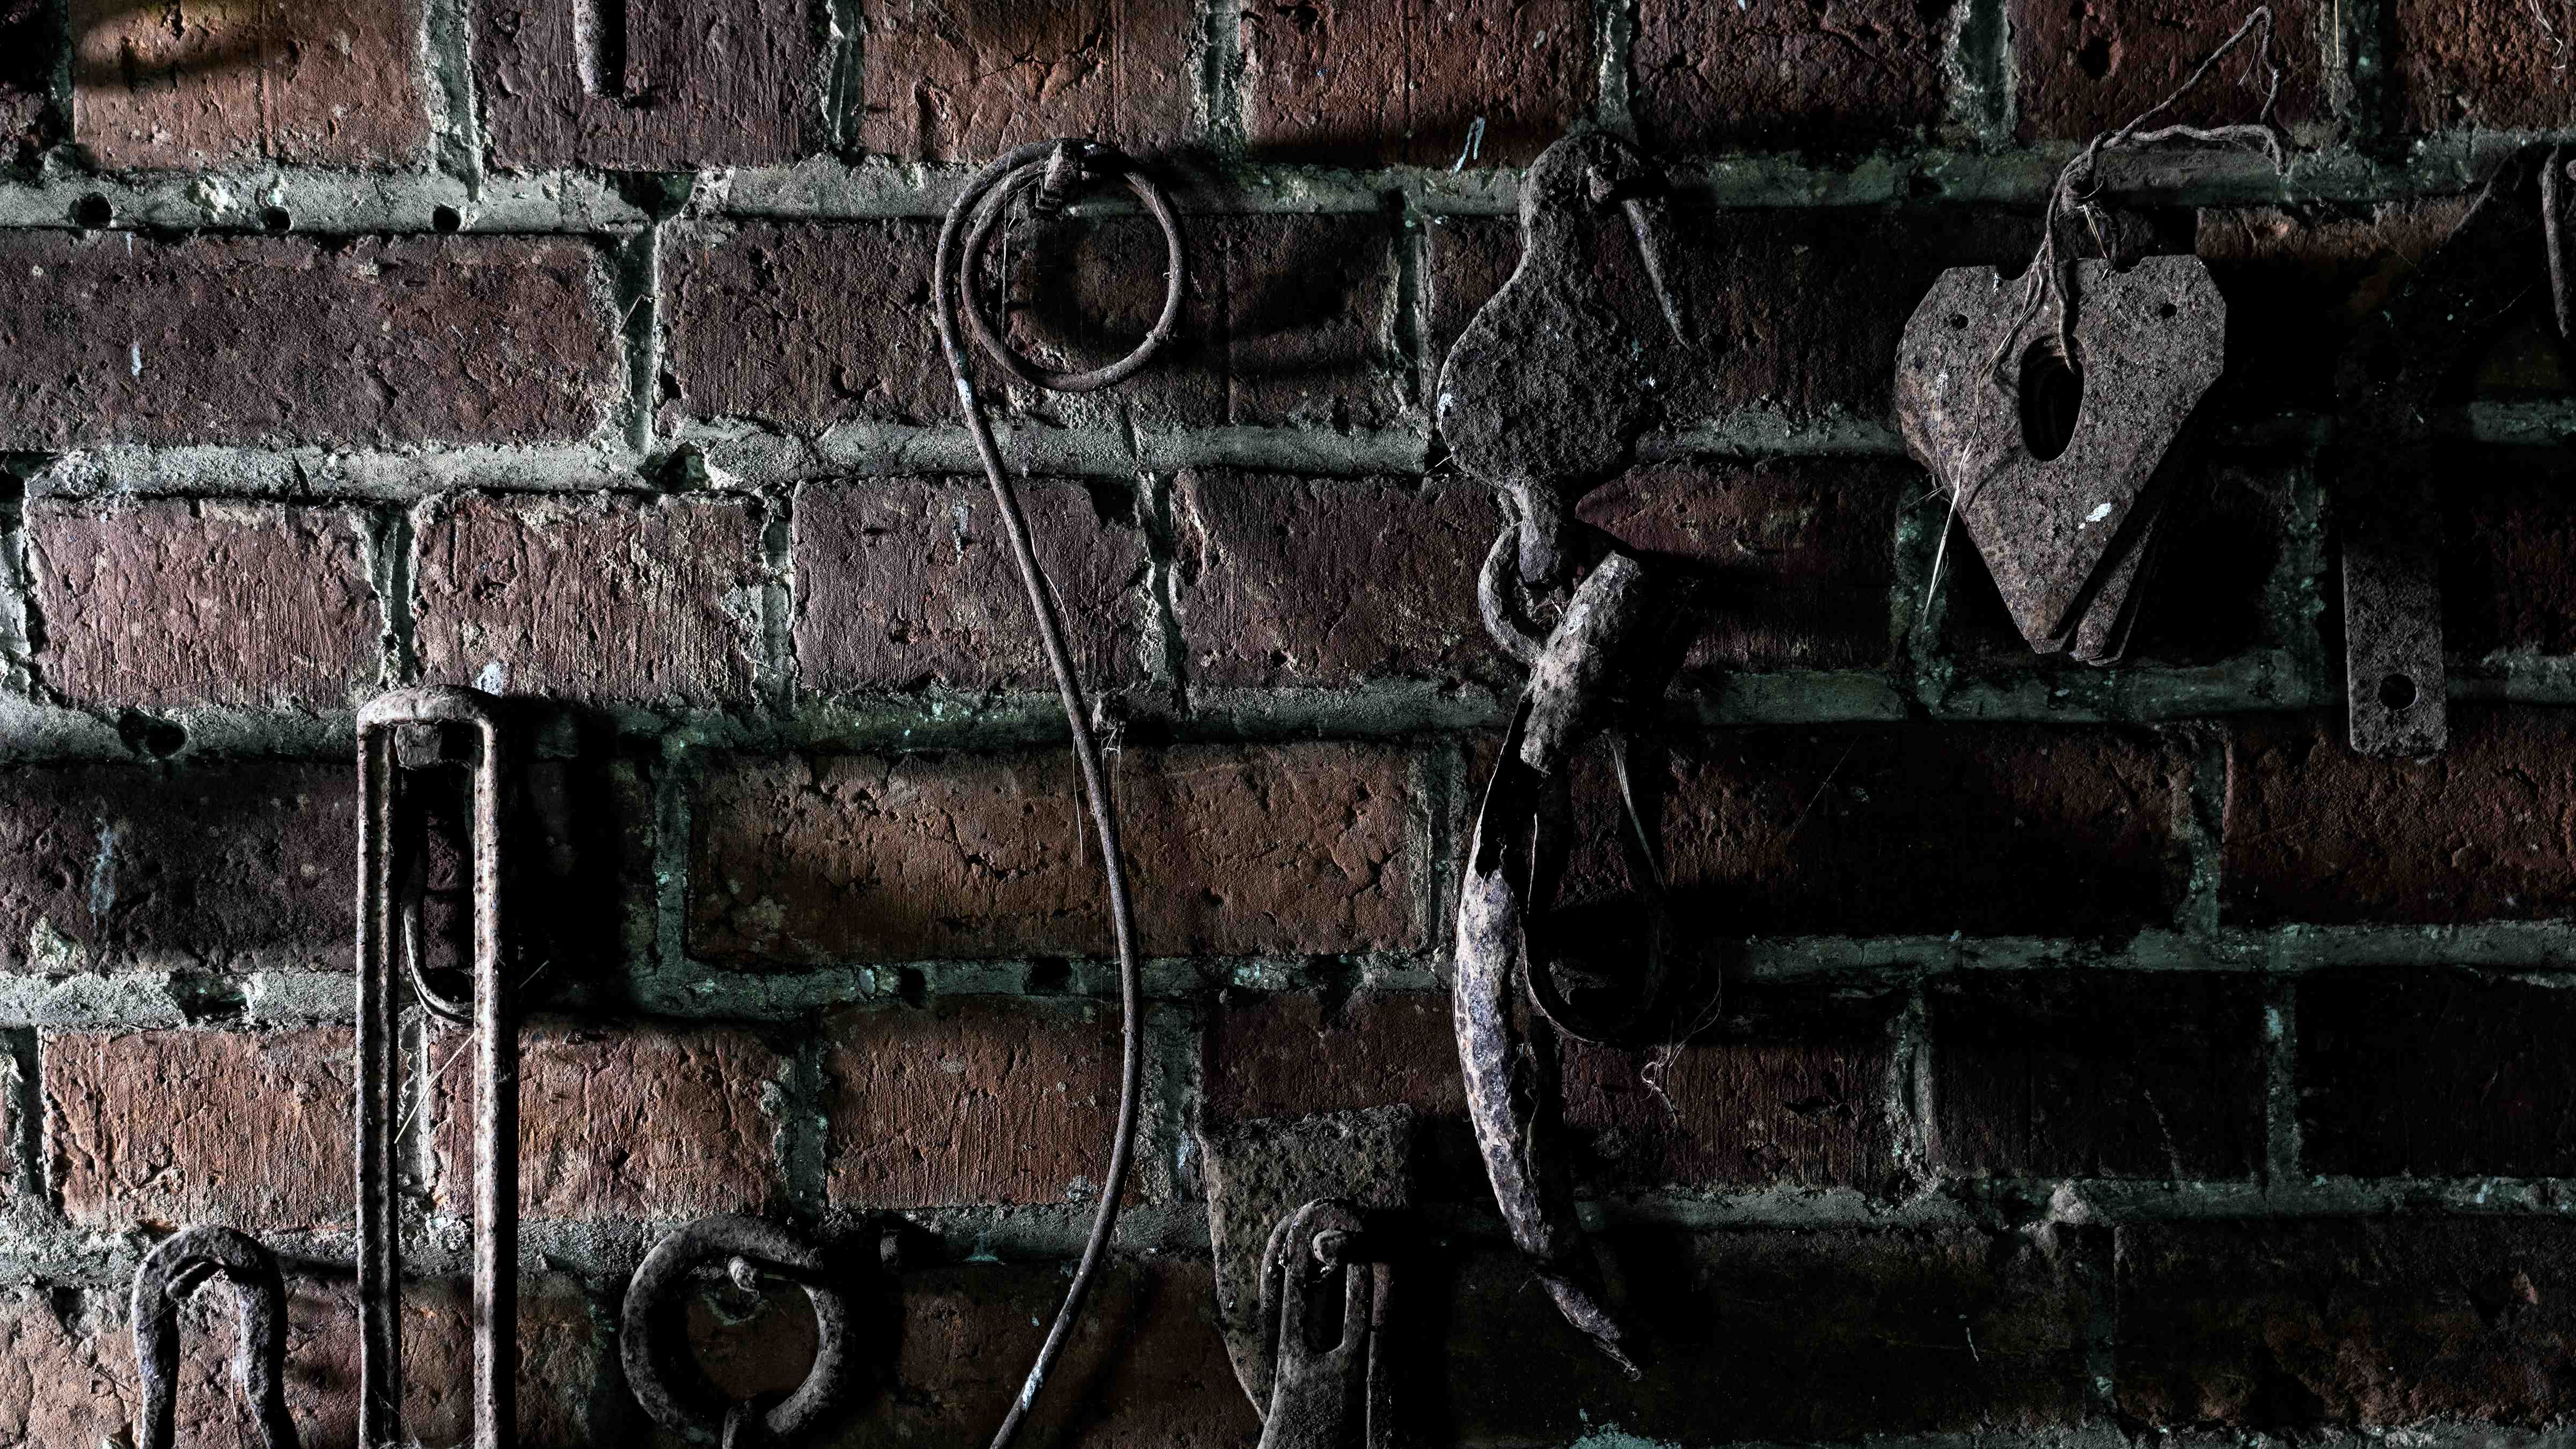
[666, 1269]
[1498, 599]
[1044, 172]
[170, 1272]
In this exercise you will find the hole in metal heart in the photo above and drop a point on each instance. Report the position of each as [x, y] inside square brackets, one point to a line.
[2397, 691]
[2052, 393]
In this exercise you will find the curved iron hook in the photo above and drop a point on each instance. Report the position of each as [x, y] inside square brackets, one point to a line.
[173, 1270]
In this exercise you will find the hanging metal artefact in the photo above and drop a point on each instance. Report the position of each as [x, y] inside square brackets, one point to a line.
[1323, 1320]
[680, 1400]
[177, 1267]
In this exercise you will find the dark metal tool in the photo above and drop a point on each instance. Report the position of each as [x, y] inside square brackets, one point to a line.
[173, 1270]
[2514, 236]
[1323, 1316]
[401, 735]
[679, 1399]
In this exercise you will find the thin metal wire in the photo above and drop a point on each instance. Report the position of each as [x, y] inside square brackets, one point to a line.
[963, 239]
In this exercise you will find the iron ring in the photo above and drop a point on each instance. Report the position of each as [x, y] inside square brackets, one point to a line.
[658, 1282]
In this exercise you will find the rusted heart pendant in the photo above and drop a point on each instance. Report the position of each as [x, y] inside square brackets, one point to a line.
[2057, 463]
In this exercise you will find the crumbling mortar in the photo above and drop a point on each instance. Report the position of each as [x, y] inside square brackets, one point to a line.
[1614, 41]
[387, 546]
[1980, 74]
[775, 670]
[456, 111]
[636, 284]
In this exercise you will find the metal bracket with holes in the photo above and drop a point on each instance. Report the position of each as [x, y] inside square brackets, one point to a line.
[1323, 1318]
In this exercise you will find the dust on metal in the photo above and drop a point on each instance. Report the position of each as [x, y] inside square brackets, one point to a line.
[174, 1269]
[679, 1398]
[402, 736]
[1324, 1293]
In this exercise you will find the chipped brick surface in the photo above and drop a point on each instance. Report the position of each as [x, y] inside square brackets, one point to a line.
[1350, 83]
[271, 604]
[1287, 582]
[27, 45]
[803, 324]
[952, 80]
[1794, 557]
[2097, 1074]
[599, 600]
[903, 584]
[900, 858]
[314, 85]
[2479, 832]
[221, 863]
[1775, 75]
[2093, 66]
[628, 1122]
[2483, 1088]
[264, 1145]
[2483, 64]
[2354, 1323]
[652, 87]
[971, 1101]
[275, 340]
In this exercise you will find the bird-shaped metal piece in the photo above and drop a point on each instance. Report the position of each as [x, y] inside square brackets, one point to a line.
[1546, 391]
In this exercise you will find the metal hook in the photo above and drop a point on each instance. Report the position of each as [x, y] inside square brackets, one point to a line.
[746, 1246]
[1329, 1395]
[173, 1270]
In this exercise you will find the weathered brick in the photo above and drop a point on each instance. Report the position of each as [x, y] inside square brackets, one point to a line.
[176, 1127]
[2224, 535]
[1786, 1088]
[173, 89]
[659, 87]
[2421, 1072]
[224, 864]
[1795, 557]
[163, 605]
[2483, 64]
[1776, 75]
[1358, 84]
[1296, 1053]
[1775, 1335]
[1284, 581]
[626, 1121]
[69, 1376]
[2316, 833]
[2297, 283]
[2509, 560]
[971, 1100]
[2357, 1322]
[29, 41]
[949, 80]
[1305, 848]
[1930, 829]
[2097, 1074]
[122, 338]
[903, 584]
[602, 599]
[2094, 65]
[1795, 312]
[1309, 307]
[800, 324]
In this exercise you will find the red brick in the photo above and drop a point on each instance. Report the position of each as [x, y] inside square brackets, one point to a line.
[2483, 64]
[1925, 829]
[1781, 1335]
[2095, 65]
[1295, 1053]
[950, 80]
[29, 40]
[1787, 1088]
[2353, 1323]
[972, 1100]
[120, 338]
[1795, 312]
[171, 1128]
[2509, 565]
[2217, 593]
[904, 584]
[1284, 581]
[1774, 75]
[2297, 283]
[626, 1122]
[2097, 1074]
[1357, 84]
[701, 85]
[163, 605]
[600, 599]
[69, 1376]
[176, 89]
[222, 864]
[1796, 556]
[1288, 320]
[2420, 1072]
[2316, 833]
[1304, 848]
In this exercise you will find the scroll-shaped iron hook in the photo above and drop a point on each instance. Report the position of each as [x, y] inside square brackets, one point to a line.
[172, 1271]
[1331, 1385]
[419, 719]
[749, 1247]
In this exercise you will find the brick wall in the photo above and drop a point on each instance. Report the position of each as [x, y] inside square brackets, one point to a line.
[2109, 1052]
